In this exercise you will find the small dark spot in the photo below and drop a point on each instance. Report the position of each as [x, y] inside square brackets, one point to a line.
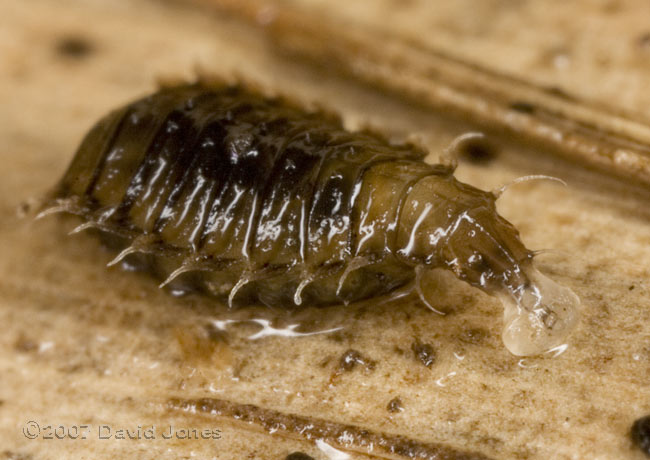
[325, 361]
[631, 288]
[9, 455]
[424, 353]
[491, 441]
[395, 405]
[640, 434]
[612, 7]
[477, 151]
[202, 342]
[25, 345]
[71, 368]
[351, 358]
[339, 336]
[298, 456]
[473, 336]
[644, 41]
[559, 92]
[190, 104]
[523, 107]
[76, 47]
[215, 334]
[23, 209]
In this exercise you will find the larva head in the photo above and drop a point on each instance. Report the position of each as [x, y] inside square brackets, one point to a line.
[445, 223]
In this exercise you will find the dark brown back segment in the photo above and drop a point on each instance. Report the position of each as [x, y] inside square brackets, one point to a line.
[253, 192]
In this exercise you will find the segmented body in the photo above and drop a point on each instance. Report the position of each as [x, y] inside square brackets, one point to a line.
[257, 200]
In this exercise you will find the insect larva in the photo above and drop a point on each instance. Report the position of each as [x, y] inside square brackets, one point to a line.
[254, 199]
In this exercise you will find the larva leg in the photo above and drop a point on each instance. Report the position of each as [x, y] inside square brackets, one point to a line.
[142, 244]
[399, 293]
[419, 270]
[354, 264]
[97, 221]
[246, 277]
[306, 280]
[189, 265]
[91, 224]
[68, 205]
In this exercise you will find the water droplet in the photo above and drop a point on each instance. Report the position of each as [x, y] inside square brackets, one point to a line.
[539, 316]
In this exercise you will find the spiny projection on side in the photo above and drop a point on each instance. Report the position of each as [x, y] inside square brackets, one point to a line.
[254, 199]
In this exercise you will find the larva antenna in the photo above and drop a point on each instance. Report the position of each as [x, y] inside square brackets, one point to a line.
[449, 156]
[499, 191]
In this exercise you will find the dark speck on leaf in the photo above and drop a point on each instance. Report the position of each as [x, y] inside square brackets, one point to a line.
[477, 151]
[74, 47]
[474, 336]
[351, 358]
[9, 455]
[298, 456]
[559, 92]
[212, 333]
[25, 345]
[424, 353]
[523, 107]
[644, 41]
[641, 434]
[395, 405]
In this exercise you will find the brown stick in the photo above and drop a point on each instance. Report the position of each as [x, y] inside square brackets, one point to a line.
[590, 134]
[345, 437]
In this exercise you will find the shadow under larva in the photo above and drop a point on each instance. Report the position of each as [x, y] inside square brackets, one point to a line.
[219, 188]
